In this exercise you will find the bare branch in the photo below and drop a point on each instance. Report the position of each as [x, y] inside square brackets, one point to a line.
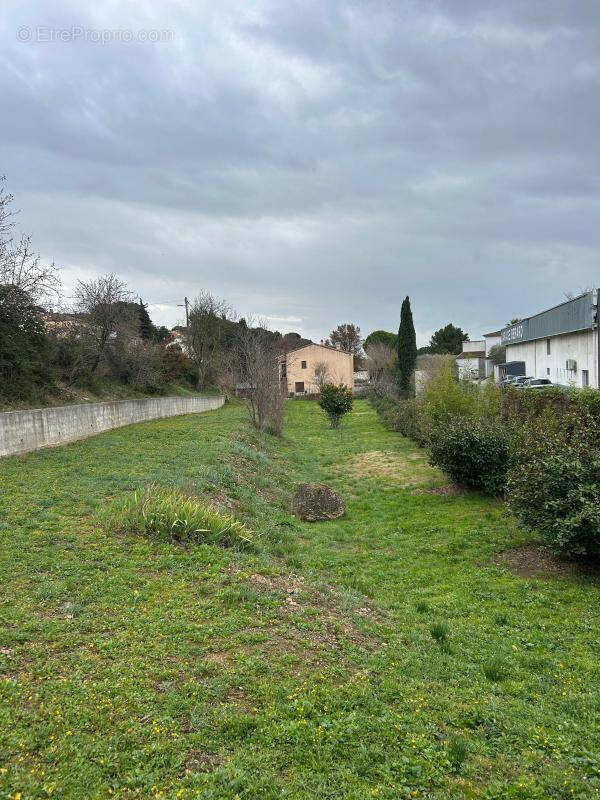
[204, 334]
[103, 303]
[257, 358]
[20, 266]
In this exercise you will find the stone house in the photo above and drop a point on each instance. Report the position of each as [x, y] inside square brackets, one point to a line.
[303, 371]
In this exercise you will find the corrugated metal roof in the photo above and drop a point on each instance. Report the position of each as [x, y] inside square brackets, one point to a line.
[573, 315]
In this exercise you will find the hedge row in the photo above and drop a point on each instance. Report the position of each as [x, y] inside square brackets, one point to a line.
[541, 451]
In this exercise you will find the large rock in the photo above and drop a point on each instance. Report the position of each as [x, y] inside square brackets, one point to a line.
[315, 501]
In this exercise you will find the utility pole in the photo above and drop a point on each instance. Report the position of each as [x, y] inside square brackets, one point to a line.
[186, 303]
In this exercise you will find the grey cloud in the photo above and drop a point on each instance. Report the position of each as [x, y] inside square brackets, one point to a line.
[316, 160]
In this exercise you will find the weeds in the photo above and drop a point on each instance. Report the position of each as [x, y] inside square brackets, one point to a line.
[495, 669]
[166, 513]
[440, 631]
[458, 750]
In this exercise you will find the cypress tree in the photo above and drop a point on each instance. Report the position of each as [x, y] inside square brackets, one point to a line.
[407, 348]
[147, 329]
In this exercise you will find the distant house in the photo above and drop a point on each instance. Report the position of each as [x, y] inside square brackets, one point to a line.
[63, 324]
[176, 338]
[304, 370]
[471, 362]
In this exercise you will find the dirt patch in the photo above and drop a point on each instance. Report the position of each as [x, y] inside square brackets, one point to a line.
[290, 584]
[164, 686]
[201, 761]
[220, 500]
[405, 469]
[534, 561]
[221, 659]
[325, 621]
[239, 700]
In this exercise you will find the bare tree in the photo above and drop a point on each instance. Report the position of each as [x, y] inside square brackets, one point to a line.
[204, 334]
[20, 266]
[381, 363]
[103, 304]
[257, 357]
[6, 215]
[571, 295]
[322, 374]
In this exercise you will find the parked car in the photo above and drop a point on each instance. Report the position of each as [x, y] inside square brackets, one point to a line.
[538, 383]
[522, 381]
[509, 380]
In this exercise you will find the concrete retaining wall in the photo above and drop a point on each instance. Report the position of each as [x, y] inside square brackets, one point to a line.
[23, 431]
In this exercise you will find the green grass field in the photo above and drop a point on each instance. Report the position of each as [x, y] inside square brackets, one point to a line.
[388, 654]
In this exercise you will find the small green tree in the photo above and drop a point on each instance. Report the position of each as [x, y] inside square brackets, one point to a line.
[498, 354]
[335, 401]
[448, 340]
[381, 337]
[407, 348]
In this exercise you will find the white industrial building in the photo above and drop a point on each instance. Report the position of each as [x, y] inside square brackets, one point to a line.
[561, 344]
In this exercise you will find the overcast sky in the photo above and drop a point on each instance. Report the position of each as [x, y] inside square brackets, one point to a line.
[311, 162]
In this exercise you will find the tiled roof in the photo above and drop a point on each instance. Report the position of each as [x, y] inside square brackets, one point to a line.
[314, 344]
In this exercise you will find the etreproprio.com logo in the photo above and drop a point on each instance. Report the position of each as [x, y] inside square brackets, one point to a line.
[79, 33]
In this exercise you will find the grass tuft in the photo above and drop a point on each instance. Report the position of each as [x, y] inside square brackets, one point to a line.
[495, 669]
[458, 750]
[440, 631]
[168, 514]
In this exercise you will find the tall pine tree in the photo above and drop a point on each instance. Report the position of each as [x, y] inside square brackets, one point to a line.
[147, 329]
[407, 348]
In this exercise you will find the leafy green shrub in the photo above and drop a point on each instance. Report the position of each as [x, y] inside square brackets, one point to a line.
[335, 401]
[24, 347]
[554, 481]
[472, 451]
[403, 416]
[169, 514]
[520, 406]
[444, 397]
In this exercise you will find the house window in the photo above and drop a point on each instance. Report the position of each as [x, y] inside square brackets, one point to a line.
[299, 387]
[585, 377]
[548, 348]
[283, 369]
[303, 364]
[547, 370]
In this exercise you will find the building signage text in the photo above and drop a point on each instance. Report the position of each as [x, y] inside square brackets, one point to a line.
[513, 334]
